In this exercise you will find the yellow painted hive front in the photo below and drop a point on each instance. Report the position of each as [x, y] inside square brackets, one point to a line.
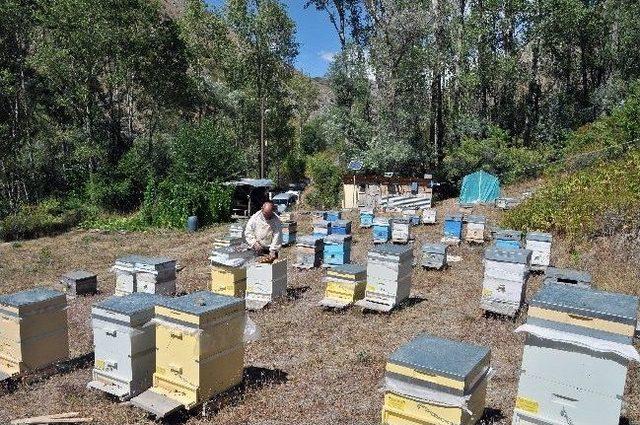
[230, 281]
[200, 351]
[433, 381]
[345, 291]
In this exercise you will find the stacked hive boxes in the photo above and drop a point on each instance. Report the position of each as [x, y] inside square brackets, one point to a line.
[265, 283]
[309, 252]
[345, 285]
[381, 230]
[125, 349]
[228, 271]
[236, 230]
[540, 246]
[33, 331]
[574, 365]
[79, 282]
[475, 229]
[436, 381]
[508, 239]
[567, 277]
[388, 277]
[337, 249]
[366, 218]
[332, 215]
[200, 351]
[321, 227]
[453, 228]
[434, 255]
[289, 232]
[505, 280]
[152, 275]
[227, 241]
[401, 230]
[429, 216]
[341, 227]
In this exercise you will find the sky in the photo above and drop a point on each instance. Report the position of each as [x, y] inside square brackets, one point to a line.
[315, 35]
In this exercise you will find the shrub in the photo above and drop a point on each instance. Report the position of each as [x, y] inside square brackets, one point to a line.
[326, 182]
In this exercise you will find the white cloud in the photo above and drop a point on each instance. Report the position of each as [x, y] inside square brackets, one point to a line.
[327, 56]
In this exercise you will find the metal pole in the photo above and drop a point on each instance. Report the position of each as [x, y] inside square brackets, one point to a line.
[262, 138]
[355, 194]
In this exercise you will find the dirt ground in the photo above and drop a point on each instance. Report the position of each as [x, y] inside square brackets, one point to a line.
[310, 366]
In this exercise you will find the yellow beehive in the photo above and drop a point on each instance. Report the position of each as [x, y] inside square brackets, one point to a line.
[226, 280]
[33, 330]
[433, 381]
[346, 284]
[200, 351]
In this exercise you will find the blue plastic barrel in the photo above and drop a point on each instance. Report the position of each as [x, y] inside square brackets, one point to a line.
[192, 223]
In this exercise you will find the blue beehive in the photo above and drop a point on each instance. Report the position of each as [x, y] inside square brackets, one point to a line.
[288, 239]
[341, 227]
[453, 226]
[366, 218]
[337, 249]
[332, 215]
[508, 239]
[381, 230]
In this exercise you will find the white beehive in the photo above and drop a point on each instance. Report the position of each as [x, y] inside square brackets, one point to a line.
[125, 350]
[474, 232]
[401, 230]
[266, 282]
[388, 277]
[429, 216]
[152, 275]
[574, 365]
[505, 280]
[434, 255]
[540, 246]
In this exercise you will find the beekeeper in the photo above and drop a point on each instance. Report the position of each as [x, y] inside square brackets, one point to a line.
[264, 231]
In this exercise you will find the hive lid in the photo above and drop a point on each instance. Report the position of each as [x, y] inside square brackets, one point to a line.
[512, 235]
[429, 354]
[337, 239]
[609, 306]
[453, 217]
[139, 259]
[381, 221]
[438, 248]
[539, 236]
[567, 274]
[308, 240]
[521, 256]
[402, 220]
[366, 211]
[352, 269]
[341, 223]
[130, 304]
[79, 275]
[389, 249]
[30, 296]
[480, 219]
[201, 302]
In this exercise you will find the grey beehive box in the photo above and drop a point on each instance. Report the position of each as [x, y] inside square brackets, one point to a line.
[266, 282]
[567, 277]
[401, 230]
[506, 272]
[79, 282]
[540, 245]
[434, 255]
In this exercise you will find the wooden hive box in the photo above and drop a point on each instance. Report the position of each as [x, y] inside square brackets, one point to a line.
[381, 230]
[574, 364]
[33, 331]
[429, 216]
[540, 245]
[236, 230]
[79, 282]
[266, 282]
[366, 218]
[505, 280]
[228, 280]
[436, 381]
[321, 228]
[125, 349]
[506, 203]
[562, 276]
[508, 239]
[341, 227]
[226, 241]
[434, 255]
[346, 284]
[309, 252]
[332, 215]
[389, 269]
[401, 230]
[200, 351]
[475, 228]
[337, 249]
[453, 227]
[156, 275]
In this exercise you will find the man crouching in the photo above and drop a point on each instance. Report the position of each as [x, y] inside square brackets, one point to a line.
[264, 232]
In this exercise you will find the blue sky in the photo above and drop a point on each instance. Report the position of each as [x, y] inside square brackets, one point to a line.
[316, 37]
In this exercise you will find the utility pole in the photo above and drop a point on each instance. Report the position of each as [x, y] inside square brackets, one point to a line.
[262, 171]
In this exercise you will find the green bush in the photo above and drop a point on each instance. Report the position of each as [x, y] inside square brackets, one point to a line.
[326, 182]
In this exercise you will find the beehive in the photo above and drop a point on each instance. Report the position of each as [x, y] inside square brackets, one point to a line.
[475, 228]
[321, 228]
[575, 359]
[434, 255]
[125, 349]
[366, 218]
[236, 230]
[228, 280]
[505, 280]
[79, 282]
[289, 232]
[332, 215]
[506, 203]
[436, 381]
[33, 331]
[508, 239]
[341, 227]
[567, 277]
[231, 256]
[401, 230]
[337, 249]
[429, 216]
[412, 215]
[266, 282]
[152, 275]
[381, 230]
[388, 277]
[227, 241]
[309, 252]
[200, 351]
[452, 227]
[346, 284]
[540, 245]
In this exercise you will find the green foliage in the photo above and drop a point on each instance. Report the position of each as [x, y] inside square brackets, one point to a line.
[326, 182]
[294, 166]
